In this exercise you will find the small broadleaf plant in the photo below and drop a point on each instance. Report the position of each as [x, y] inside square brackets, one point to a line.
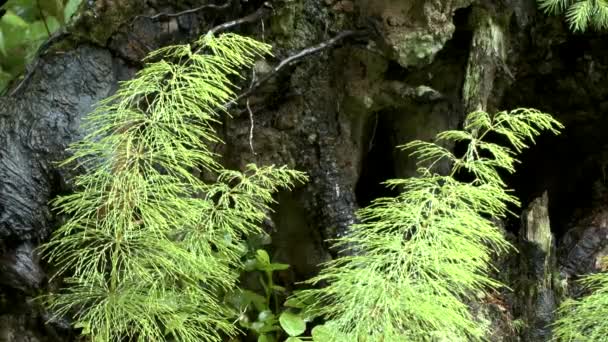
[580, 14]
[24, 26]
[414, 261]
[149, 249]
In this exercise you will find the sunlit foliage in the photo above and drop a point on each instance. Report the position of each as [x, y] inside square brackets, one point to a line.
[415, 261]
[584, 319]
[149, 249]
[580, 14]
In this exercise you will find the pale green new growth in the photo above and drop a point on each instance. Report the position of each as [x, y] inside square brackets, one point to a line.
[585, 319]
[417, 259]
[149, 248]
[580, 14]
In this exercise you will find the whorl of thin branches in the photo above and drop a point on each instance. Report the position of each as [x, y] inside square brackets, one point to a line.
[148, 248]
[580, 14]
[419, 258]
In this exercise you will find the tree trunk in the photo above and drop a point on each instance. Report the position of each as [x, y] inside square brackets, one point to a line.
[337, 114]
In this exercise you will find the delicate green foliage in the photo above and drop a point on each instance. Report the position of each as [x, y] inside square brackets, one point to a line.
[415, 260]
[554, 6]
[585, 319]
[26, 24]
[149, 248]
[580, 14]
[269, 324]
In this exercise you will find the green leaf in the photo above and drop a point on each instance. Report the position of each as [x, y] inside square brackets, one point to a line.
[268, 327]
[265, 315]
[14, 37]
[298, 301]
[258, 326]
[293, 339]
[266, 338]
[258, 301]
[51, 8]
[294, 302]
[11, 19]
[321, 333]
[264, 327]
[278, 267]
[251, 265]
[37, 31]
[244, 299]
[293, 324]
[2, 43]
[244, 322]
[262, 258]
[70, 8]
[16, 44]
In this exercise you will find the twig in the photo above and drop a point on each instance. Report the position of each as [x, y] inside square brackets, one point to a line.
[186, 12]
[251, 123]
[251, 115]
[46, 26]
[261, 12]
[371, 140]
[292, 59]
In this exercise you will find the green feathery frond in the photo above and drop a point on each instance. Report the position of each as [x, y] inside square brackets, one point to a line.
[416, 260]
[584, 319]
[554, 6]
[148, 248]
[580, 14]
[601, 15]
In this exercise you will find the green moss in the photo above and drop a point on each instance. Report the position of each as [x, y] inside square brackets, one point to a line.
[97, 23]
[283, 22]
[375, 65]
[488, 50]
[290, 25]
[414, 48]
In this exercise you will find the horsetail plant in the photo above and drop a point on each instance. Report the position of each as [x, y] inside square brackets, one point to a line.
[416, 260]
[148, 248]
[584, 319]
[580, 14]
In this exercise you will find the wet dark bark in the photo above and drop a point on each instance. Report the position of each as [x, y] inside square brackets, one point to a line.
[36, 126]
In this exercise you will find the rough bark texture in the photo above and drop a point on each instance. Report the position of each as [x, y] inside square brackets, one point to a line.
[36, 127]
[537, 258]
[337, 115]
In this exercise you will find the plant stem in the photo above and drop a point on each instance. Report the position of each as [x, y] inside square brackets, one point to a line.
[46, 26]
